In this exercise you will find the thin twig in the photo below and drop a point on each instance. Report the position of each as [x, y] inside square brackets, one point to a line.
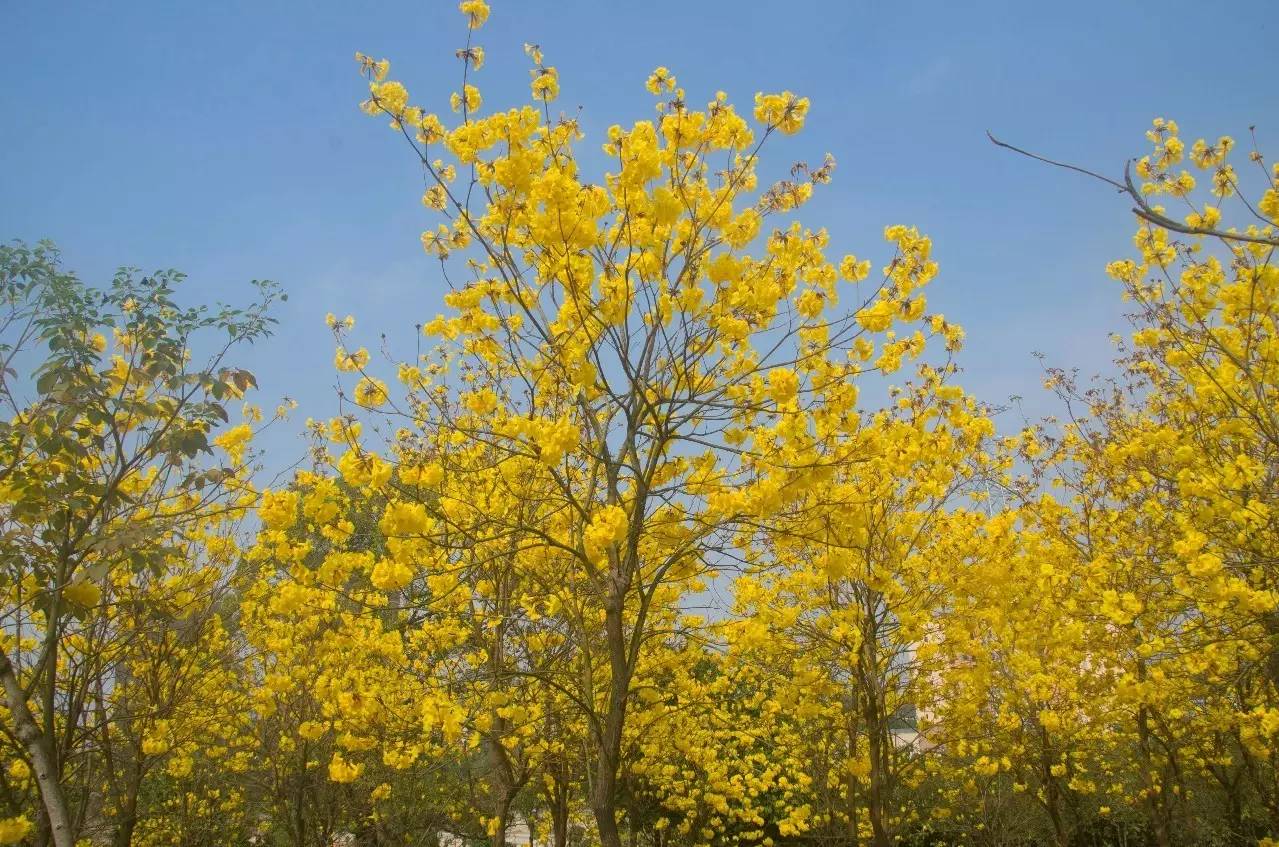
[1084, 171]
[1142, 209]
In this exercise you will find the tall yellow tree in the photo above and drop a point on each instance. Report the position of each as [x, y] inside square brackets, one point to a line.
[852, 587]
[659, 356]
[1166, 526]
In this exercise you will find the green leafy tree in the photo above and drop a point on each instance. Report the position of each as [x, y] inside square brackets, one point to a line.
[107, 472]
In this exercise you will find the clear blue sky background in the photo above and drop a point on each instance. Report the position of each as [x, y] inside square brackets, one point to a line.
[223, 139]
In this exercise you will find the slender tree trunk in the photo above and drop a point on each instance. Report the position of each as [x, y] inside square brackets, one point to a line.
[46, 772]
[559, 825]
[604, 807]
[1052, 795]
[1054, 815]
[557, 800]
[128, 813]
[875, 800]
[1271, 792]
[501, 777]
[854, 831]
[299, 801]
[604, 793]
[501, 814]
[876, 721]
[123, 836]
[556, 788]
[1235, 803]
[1156, 802]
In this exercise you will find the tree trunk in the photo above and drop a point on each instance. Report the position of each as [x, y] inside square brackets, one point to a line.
[559, 825]
[854, 831]
[299, 801]
[875, 799]
[45, 769]
[1235, 804]
[1156, 802]
[128, 811]
[502, 816]
[123, 836]
[606, 823]
[877, 740]
[556, 792]
[1054, 815]
[604, 794]
[1052, 796]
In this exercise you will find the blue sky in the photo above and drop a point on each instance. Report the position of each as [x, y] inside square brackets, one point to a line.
[223, 139]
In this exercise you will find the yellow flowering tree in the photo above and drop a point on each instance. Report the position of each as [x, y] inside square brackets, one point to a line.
[850, 583]
[1163, 534]
[657, 359]
[1188, 463]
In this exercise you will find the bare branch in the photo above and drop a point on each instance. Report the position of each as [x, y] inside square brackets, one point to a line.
[1142, 208]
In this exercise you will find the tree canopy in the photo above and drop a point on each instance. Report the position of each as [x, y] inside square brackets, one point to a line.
[678, 528]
